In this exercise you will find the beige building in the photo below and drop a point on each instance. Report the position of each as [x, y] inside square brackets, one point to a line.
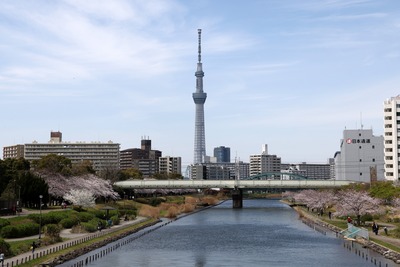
[102, 155]
[264, 162]
[16, 151]
[170, 165]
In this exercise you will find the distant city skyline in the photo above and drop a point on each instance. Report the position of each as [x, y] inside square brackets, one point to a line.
[290, 74]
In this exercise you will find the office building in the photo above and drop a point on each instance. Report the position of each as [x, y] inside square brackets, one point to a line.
[361, 157]
[392, 138]
[223, 154]
[144, 159]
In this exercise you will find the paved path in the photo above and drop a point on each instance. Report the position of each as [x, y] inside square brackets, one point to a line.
[66, 233]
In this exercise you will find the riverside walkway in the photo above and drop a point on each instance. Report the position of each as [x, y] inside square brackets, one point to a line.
[73, 239]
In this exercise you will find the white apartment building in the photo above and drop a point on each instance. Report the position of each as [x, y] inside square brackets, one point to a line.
[264, 162]
[170, 165]
[360, 157]
[392, 138]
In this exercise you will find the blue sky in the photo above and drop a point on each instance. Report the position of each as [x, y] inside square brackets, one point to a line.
[290, 74]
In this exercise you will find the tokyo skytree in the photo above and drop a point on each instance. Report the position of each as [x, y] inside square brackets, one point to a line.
[199, 98]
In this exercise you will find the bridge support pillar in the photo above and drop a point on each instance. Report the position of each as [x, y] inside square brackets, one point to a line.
[237, 198]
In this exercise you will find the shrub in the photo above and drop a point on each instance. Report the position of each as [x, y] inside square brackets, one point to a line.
[85, 216]
[4, 222]
[395, 232]
[5, 248]
[366, 217]
[91, 226]
[186, 208]
[101, 214]
[49, 218]
[115, 220]
[149, 211]
[130, 213]
[69, 222]
[20, 230]
[52, 232]
[88, 227]
[172, 212]
[155, 201]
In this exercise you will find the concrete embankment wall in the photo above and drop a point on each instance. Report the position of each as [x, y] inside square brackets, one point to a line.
[322, 227]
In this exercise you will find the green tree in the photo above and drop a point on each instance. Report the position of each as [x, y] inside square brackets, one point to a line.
[31, 187]
[53, 164]
[131, 173]
[384, 190]
[83, 167]
[170, 176]
[10, 172]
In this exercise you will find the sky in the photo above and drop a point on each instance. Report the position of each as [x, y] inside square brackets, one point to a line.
[289, 74]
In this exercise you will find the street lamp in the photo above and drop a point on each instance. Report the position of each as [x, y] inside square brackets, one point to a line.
[40, 210]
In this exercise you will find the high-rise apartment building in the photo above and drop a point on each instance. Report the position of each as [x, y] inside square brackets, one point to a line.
[223, 154]
[392, 138]
[102, 155]
[199, 98]
[361, 157]
[170, 165]
[264, 162]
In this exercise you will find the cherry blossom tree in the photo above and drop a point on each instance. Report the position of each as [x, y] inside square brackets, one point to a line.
[315, 199]
[80, 197]
[60, 185]
[356, 203]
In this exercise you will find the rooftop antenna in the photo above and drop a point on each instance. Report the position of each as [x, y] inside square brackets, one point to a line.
[361, 121]
[199, 56]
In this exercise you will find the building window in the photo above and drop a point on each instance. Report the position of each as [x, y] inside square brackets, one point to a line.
[360, 173]
[360, 160]
[359, 147]
[373, 147]
[373, 160]
[359, 134]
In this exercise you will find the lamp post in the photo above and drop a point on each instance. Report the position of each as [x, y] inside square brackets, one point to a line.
[40, 211]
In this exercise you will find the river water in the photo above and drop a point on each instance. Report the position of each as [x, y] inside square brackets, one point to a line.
[263, 233]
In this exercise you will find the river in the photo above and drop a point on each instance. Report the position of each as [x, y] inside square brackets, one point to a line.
[263, 233]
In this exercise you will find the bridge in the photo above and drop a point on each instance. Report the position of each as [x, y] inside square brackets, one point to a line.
[235, 185]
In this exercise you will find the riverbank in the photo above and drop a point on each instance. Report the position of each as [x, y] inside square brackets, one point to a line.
[77, 245]
[386, 252]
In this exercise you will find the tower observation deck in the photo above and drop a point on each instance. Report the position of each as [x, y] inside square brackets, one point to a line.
[199, 98]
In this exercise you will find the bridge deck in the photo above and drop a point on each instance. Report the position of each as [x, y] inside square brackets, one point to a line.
[251, 184]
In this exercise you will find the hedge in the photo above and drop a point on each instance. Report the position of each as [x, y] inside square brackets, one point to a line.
[20, 230]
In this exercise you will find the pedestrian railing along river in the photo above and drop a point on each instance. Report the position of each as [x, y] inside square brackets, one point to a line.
[353, 232]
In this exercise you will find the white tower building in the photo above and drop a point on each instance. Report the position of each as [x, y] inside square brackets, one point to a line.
[391, 137]
[199, 98]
